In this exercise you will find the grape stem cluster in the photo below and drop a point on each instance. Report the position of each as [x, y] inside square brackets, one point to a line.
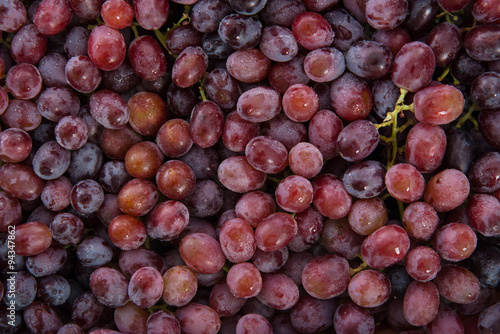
[468, 117]
[391, 120]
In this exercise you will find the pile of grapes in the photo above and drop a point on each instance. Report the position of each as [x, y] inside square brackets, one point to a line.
[249, 166]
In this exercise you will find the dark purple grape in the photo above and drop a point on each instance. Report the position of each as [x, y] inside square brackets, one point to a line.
[183, 36]
[86, 310]
[87, 196]
[348, 31]
[93, 127]
[203, 161]
[484, 176]
[215, 47]
[86, 163]
[338, 237]
[206, 14]
[459, 150]
[357, 140]
[51, 161]
[369, 59]
[445, 40]
[67, 229]
[285, 74]
[484, 264]
[132, 260]
[365, 179]
[56, 102]
[76, 42]
[41, 318]
[394, 39]
[113, 175]
[53, 290]
[206, 199]
[223, 301]
[489, 126]
[70, 329]
[93, 252]
[385, 95]
[421, 16]
[24, 285]
[466, 69]
[222, 88]
[240, 32]
[122, 79]
[309, 228]
[488, 319]
[481, 42]
[51, 69]
[47, 262]
[482, 90]
[281, 12]
[247, 7]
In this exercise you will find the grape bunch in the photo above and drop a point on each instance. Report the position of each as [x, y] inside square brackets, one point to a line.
[249, 167]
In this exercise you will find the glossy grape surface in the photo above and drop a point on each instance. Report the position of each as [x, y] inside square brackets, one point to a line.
[259, 166]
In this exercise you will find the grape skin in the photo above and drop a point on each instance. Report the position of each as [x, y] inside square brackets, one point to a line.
[229, 171]
[318, 273]
[421, 303]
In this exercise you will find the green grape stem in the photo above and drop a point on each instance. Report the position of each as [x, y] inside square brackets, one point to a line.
[362, 266]
[468, 117]
[163, 307]
[6, 43]
[134, 29]
[147, 243]
[401, 208]
[445, 73]
[391, 120]
[203, 94]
